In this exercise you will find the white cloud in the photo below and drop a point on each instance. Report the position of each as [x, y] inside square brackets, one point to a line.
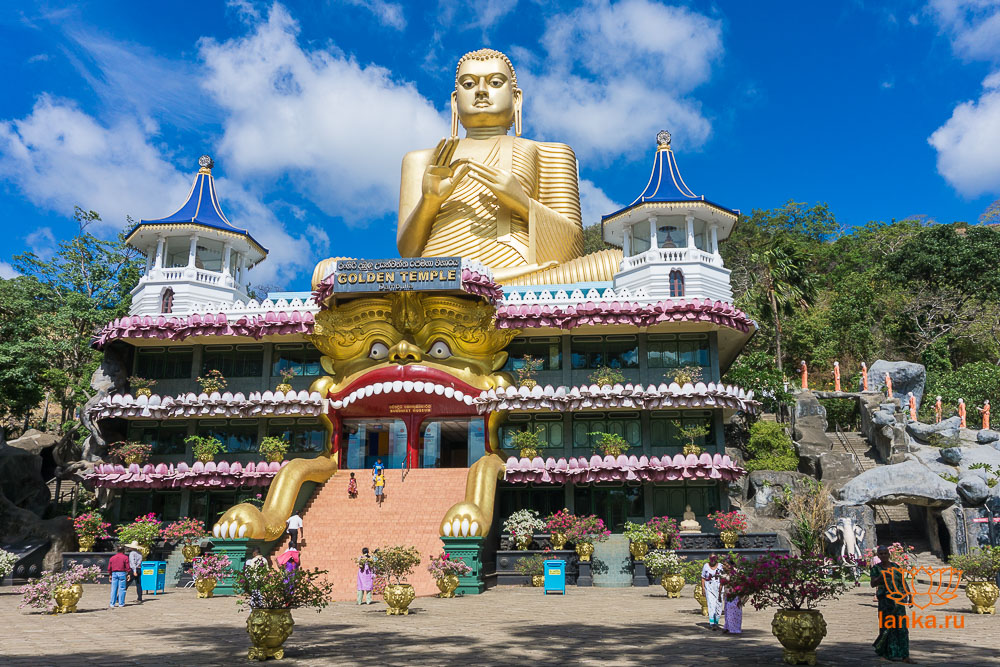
[42, 242]
[39, 58]
[7, 271]
[338, 128]
[615, 74]
[388, 13]
[482, 15]
[594, 203]
[973, 26]
[967, 143]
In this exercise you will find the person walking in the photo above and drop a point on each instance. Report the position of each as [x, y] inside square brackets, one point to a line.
[893, 641]
[289, 560]
[294, 530]
[380, 488]
[352, 487]
[366, 577]
[256, 560]
[118, 570]
[135, 568]
[711, 586]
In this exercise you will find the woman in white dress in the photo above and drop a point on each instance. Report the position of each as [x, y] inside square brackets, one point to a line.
[711, 586]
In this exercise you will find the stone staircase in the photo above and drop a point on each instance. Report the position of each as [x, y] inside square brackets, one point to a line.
[612, 563]
[866, 458]
[337, 527]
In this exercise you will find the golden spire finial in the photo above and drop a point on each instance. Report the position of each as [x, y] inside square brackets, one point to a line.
[206, 163]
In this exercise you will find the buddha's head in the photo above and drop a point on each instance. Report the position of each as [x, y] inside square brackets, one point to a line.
[486, 94]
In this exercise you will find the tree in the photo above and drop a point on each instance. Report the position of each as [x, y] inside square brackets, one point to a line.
[24, 349]
[593, 239]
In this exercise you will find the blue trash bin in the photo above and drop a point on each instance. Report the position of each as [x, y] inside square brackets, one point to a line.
[555, 576]
[154, 576]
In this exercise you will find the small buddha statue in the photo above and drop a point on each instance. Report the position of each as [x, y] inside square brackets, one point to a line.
[690, 523]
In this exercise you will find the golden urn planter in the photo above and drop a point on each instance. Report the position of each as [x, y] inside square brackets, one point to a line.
[729, 538]
[585, 550]
[86, 543]
[207, 458]
[275, 458]
[205, 587]
[144, 549]
[799, 632]
[692, 449]
[523, 542]
[638, 550]
[144, 391]
[699, 595]
[137, 459]
[528, 453]
[268, 630]
[558, 541]
[538, 580]
[67, 598]
[447, 585]
[398, 597]
[190, 551]
[284, 388]
[673, 584]
[983, 596]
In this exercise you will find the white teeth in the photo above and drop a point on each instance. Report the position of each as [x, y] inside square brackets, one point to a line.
[407, 386]
[242, 531]
[459, 396]
[397, 386]
[468, 400]
[449, 392]
[215, 530]
[465, 527]
[418, 386]
[386, 387]
[474, 528]
[428, 388]
[369, 390]
[439, 389]
[377, 388]
[337, 405]
[456, 526]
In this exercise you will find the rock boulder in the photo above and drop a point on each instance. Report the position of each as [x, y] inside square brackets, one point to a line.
[907, 482]
[951, 455]
[906, 377]
[973, 490]
[986, 436]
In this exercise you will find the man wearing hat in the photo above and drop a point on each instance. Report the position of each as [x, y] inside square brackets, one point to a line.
[135, 567]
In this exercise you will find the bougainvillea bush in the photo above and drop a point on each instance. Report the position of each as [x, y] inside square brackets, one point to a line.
[785, 582]
[7, 562]
[212, 566]
[38, 593]
[145, 530]
[729, 521]
[444, 565]
[588, 528]
[186, 530]
[91, 524]
[129, 448]
[560, 522]
[267, 588]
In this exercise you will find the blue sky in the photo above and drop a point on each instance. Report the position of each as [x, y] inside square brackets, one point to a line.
[882, 110]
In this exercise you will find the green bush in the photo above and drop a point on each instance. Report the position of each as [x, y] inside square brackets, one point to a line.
[770, 448]
[974, 382]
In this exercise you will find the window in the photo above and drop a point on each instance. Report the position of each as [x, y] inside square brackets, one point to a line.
[304, 435]
[588, 352]
[167, 300]
[166, 439]
[547, 349]
[208, 255]
[614, 504]
[303, 359]
[178, 249]
[236, 436]
[670, 236]
[545, 499]
[549, 427]
[676, 283]
[159, 363]
[675, 351]
[242, 362]
[663, 431]
[625, 424]
[640, 237]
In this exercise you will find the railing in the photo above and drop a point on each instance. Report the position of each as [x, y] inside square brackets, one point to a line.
[59, 496]
[845, 442]
[671, 255]
[405, 468]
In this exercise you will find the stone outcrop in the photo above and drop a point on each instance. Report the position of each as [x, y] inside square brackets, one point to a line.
[906, 377]
[765, 489]
[909, 482]
[987, 436]
[817, 456]
[889, 439]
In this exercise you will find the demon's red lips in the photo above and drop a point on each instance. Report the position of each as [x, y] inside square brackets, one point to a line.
[405, 382]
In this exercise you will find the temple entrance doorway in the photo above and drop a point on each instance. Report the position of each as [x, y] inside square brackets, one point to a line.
[371, 439]
[614, 504]
[451, 442]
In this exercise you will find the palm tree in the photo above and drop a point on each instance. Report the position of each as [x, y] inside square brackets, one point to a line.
[781, 282]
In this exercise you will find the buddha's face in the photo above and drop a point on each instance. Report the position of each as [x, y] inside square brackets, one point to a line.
[485, 95]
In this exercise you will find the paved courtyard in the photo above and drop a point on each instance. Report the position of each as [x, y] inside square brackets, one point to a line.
[506, 626]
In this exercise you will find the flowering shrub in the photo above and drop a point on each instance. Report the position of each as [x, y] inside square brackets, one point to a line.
[204, 448]
[527, 439]
[212, 381]
[273, 446]
[785, 582]
[257, 500]
[267, 588]
[523, 523]
[899, 553]
[605, 375]
[588, 529]
[531, 565]
[7, 562]
[91, 524]
[639, 532]
[526, 371]
[396, 563]
[734, 520]
[129, 448]
[137, 382]
[287, 374]
[38, 593]
[560, 522]
[212, 566]
[665, 528]
[691, 571]
[145, 530]
[443, 566]
[981, 564]
[663, 562]
[610, 444]
[185, 530]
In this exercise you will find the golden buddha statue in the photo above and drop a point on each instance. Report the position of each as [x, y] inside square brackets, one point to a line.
[511, 203]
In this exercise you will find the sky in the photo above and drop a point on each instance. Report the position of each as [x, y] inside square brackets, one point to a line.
[883, 110]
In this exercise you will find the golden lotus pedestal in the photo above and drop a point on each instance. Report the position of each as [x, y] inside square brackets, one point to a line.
[268, 630]
[799, 632]
[447, 585]
[204, 587]
[190, 551]
[86, 543]
[398, 597]
[585, 550]
[638, 550]
[673, 584]
[983, 596]
[729, 538]
[67, 598]
[699, 595]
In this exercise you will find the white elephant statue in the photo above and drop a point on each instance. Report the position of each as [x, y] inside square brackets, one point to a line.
[851, 536]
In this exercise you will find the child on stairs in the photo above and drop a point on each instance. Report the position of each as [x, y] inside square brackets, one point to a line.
[352, 487]
[379, 488]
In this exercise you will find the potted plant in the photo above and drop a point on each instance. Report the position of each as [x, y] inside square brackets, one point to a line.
[532, 566]
[204, 448]
[731, 525]
[189, 532]
[610, 444]
[286, 376]
[527, 443]
[273, 448]
[446, 571]
[271, 595]
[90, 527]
[691, 573]
[795, 585]
[666, 530]
[395, 564]
[691, 433]
[144, 530]
[686, 375]
[130, 451]
[141, 386]
[604, 376]
[7, 563]
[522, 526]
[639, 536]
[58, 592]
[526, 372]
[584, 532]
[207, 571]
[212, 381]
[668, 566]
[979, 569]
[558, 524]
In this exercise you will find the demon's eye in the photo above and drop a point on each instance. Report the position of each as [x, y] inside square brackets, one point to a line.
[378, 351]
[440, 350]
